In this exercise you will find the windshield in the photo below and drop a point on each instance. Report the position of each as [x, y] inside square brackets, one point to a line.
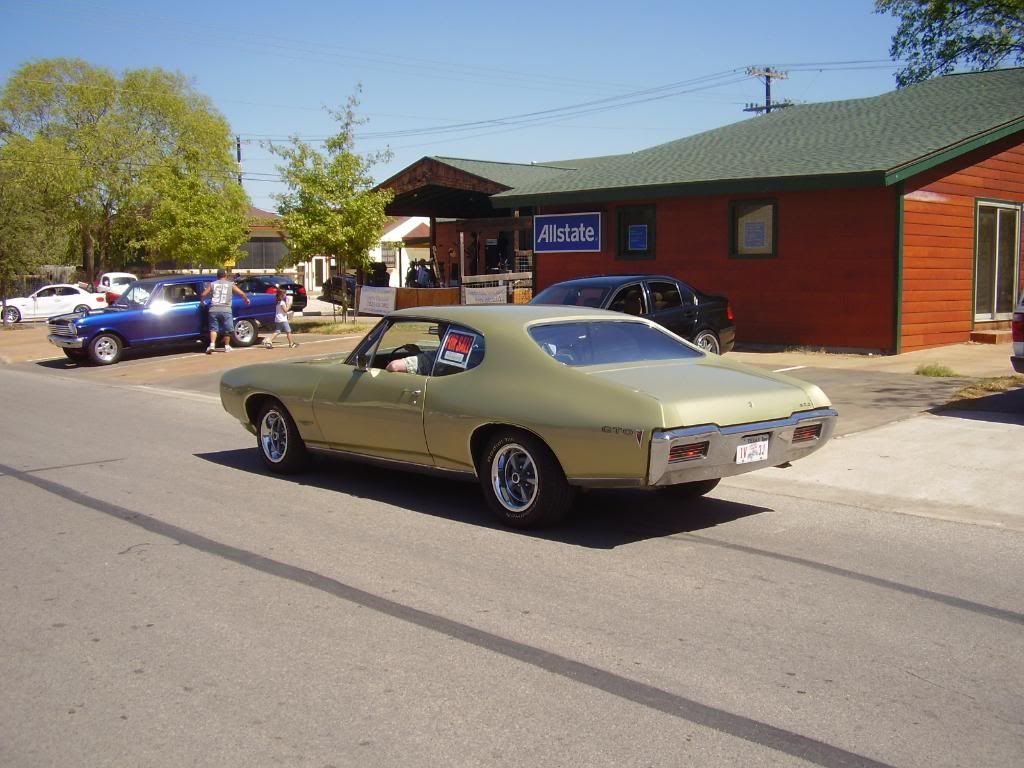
[136, 296]
[614, 341]
[573, 294]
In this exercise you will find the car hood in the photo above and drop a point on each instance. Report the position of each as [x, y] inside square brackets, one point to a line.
[18, 302]
[710, 391]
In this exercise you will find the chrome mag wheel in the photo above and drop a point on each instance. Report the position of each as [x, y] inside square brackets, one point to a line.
[514, 478]
[274, 436]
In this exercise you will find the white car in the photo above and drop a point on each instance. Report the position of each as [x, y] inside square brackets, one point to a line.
[113, 284]
[52, 300]
[1017, 358]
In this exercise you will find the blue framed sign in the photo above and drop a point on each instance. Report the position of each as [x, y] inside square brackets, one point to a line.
[567, 233]
[638, 237]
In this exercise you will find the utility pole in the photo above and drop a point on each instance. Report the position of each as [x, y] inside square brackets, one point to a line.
[238, 156]
[767, 74]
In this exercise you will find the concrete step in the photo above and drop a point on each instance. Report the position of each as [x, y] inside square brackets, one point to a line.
[998, 336]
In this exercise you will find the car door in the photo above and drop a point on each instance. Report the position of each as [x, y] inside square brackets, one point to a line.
[175, 312]
[373, 411]
[673, 306]
[629, 299]
[45, 302]
[68, 298]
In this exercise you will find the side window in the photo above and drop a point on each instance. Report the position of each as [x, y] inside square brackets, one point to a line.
[66, 291]
[46, 293]
[664, 295]
[629, 299]
[461, 350]
[414, 340]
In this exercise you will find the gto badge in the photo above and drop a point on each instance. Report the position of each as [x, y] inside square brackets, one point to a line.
[637, 433]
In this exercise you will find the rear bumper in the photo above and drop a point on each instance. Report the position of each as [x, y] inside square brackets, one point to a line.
[66, 342]
[718, 457]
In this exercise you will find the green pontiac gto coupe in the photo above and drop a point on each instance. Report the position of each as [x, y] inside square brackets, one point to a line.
[533, 401]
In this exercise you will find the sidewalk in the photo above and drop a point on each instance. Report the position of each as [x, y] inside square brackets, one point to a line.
[967, 360]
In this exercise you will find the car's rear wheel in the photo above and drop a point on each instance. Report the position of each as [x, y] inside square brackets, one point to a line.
[277, 437]
[244, 334]
[11, 315]
[78, 355]
[708, 341]
[695, 489]
[105, 349]
[523, 481]
[82, 308]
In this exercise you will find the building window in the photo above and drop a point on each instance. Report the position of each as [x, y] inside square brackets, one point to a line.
[388, 254]
[753, 232]
[636, 232]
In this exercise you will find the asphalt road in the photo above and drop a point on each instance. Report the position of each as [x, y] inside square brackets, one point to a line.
[165, 603]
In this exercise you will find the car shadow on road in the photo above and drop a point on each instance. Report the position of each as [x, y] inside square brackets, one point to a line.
[1001, 408]
[129, 354]
[601, 519]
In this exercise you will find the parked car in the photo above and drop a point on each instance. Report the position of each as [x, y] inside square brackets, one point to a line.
[270, 284]
[152, 312]
[1017, 324]
[332, 288]
[52, 300]
[706, 320]
[533, 402]
[113, 284]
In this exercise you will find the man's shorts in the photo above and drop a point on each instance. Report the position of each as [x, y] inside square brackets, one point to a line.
[283, 326]
[221, 322]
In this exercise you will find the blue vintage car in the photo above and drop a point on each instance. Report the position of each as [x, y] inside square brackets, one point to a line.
[154, 312]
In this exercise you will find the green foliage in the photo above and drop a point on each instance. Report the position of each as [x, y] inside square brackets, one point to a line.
[331, 208]
[935, 36]
[936, 370]
[120, 146]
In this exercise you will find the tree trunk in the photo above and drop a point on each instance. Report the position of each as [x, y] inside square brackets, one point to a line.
[89, 254]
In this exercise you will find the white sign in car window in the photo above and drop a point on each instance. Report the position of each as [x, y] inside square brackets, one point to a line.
[456, 347]
[376, 301]
[493, 294]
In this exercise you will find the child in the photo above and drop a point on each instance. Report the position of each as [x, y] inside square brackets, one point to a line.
[283, 307]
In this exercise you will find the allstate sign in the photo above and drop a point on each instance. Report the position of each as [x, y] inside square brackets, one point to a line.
[567, 233]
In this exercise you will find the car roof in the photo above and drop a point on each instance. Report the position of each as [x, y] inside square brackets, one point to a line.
[612, 279]
[492, 318]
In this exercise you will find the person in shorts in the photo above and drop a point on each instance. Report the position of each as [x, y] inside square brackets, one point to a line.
[282, 308]
[221, 321]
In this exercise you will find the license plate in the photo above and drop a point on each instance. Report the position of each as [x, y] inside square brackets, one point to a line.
[752, 449]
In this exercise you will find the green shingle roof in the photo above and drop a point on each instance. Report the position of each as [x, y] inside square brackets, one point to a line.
[506, 174]
[880, 139]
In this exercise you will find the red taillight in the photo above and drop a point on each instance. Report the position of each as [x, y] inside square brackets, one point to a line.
[728, 312]
[302, 290]
[271, 289]
[1017, 326]
[100, 299]
[687, 452]
[806, 432]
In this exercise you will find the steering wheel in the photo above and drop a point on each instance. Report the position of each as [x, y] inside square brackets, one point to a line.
[410, 349]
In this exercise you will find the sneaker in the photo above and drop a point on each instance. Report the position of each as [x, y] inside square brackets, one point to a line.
[227, 347]
[293, 344]
[209, 350]
[268, 344]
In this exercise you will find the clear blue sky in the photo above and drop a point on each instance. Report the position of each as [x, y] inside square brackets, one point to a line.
[270, 67]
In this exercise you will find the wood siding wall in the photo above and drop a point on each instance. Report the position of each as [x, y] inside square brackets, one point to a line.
[831, 285]
[938, 241]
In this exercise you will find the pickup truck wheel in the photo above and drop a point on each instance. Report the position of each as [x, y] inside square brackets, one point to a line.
[523, 481]
[105, 349]
[245, 333]
[277, 437]
[693, 490]
[708, 341]
[12, 315]
[77, 355]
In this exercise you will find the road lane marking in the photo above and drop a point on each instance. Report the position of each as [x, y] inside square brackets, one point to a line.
[791, 368]
[627, 689]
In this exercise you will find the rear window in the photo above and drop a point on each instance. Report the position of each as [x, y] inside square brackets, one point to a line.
[600, 343]
[573, 295]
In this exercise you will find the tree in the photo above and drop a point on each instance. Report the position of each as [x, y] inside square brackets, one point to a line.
[35, 224]
[331, 208]
[119, 139]
[934, 36]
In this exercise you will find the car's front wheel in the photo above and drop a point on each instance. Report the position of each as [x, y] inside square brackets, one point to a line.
[11, 315]
[523, 481]
[281, 447]
[105, 349]
[245, 333]
[708, 341]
